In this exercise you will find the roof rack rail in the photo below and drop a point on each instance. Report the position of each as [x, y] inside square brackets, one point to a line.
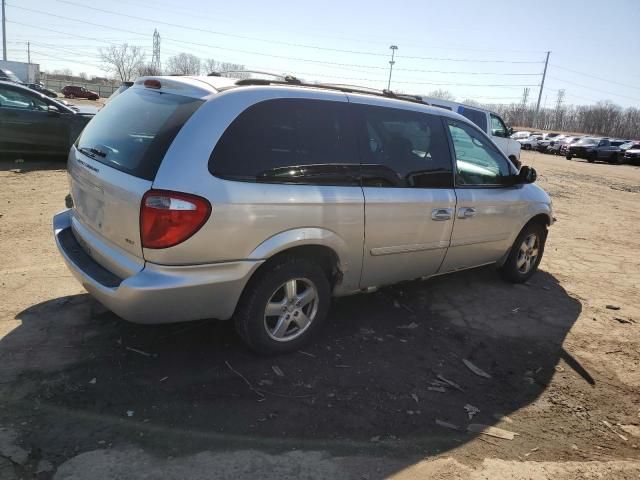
[290, 80]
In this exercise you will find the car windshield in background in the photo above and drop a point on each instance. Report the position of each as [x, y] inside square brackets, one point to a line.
[133, 132]
[588, 141]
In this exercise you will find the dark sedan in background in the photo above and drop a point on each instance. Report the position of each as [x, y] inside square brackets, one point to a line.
[32, 123]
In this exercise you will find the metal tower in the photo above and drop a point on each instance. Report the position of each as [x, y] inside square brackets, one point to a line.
[155, 58]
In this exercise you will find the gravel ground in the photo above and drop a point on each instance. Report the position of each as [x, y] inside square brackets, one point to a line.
[87, 395]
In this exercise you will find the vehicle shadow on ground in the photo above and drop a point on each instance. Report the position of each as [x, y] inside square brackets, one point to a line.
[376, 378]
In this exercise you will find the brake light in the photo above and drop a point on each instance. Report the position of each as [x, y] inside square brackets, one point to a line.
[169, 218]
[152, 83]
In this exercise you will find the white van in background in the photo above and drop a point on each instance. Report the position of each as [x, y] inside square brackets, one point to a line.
[489, 122]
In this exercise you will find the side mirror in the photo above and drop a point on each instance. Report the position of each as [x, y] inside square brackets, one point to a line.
[527, 174]
[53, 110]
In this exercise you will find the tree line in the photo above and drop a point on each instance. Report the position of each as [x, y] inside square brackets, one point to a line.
[126, 62]
[604, 118]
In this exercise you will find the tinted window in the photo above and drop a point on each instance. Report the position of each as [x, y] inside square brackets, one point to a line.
[476, 116]
[402, 148]
[135, 130]
[289, 141]
[477, 161]
[10, 98]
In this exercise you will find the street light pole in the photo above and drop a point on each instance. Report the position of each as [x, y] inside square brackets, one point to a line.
[391, 62]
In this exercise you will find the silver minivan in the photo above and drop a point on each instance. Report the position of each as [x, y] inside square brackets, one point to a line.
[257, 200]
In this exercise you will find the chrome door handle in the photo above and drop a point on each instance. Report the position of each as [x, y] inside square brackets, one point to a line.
[440, 214]
[466, 212]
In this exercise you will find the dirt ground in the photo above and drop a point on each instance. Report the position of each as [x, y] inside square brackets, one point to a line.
[84, 394]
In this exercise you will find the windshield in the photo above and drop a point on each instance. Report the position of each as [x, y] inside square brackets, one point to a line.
[133, 132]
[588, 141]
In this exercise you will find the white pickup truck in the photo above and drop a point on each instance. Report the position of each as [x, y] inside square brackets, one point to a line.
[489, 122]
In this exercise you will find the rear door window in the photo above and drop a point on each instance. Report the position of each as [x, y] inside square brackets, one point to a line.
[402, 148]
[134, 131]
[476, 116]
[289, 141]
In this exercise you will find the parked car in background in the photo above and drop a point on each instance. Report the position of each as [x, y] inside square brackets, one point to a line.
[551, 139]
[31, 122]
[39, 87]
[559, 147]
[630, 152]
[596, 149]
[520, 135]
[489, 122]
[265, 222]
[72, 91]
[532, 142]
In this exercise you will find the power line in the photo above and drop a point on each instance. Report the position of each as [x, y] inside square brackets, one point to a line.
[277, 42]
[596, 89]
[597, 78]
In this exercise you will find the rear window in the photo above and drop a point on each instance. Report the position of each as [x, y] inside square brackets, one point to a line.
[134, 131]
[476, 116]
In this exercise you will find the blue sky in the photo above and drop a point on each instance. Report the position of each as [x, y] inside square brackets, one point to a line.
[483, 50]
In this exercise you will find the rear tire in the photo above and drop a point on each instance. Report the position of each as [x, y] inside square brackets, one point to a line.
[274, 315]
[592, 158]
[568, 156]
[525, 254]
[527, 147]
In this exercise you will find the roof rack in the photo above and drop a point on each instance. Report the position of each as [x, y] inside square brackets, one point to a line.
[293, 81]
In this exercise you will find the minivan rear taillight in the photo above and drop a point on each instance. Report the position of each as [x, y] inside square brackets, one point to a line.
[169, 218]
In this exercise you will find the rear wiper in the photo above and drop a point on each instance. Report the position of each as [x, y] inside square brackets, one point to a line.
[92, 152]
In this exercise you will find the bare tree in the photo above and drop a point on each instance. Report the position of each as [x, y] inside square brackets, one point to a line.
[212, 65]
[83, 76]
[184, 64]
[442, 94]
[124, 61]
[148, 69]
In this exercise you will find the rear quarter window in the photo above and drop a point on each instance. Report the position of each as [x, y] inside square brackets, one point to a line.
[135, 130]
[289, 141]
[476, 116]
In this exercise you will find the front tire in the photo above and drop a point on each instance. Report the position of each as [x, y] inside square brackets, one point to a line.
[525, 254]
[592, 158]
[283, 306]
[568, 156]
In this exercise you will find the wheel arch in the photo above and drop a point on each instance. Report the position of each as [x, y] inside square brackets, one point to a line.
[543, 218]
[318, 244]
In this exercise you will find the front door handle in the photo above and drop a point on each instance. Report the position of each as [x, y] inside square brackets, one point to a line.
[440, 214]
[466, 212]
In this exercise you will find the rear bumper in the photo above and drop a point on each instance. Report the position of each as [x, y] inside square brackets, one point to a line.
[157, 293]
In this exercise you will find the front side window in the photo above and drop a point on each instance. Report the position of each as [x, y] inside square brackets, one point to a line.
[289, 141]
[477, 162]
[476, 116]
[10, 98]
[498, 128]
[403, 148]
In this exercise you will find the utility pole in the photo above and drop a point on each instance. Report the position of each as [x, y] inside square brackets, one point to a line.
[4, 34]
[391, 63]
[28, 53]
[525, 97]
[544, 75]
[155, 58]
